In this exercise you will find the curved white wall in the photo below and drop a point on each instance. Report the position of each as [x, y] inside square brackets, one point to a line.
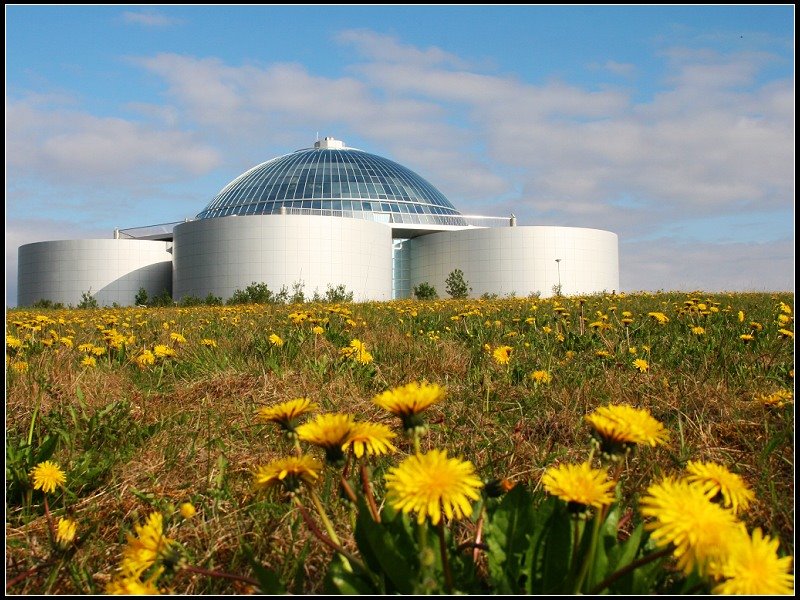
[111, 270]
[222, 255]
[519, 260]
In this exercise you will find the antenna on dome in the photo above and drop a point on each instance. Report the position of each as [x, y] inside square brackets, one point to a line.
[318, 136]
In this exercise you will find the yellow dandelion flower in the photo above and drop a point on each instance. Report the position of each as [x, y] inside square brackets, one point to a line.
[162, 351]
[752, 567]
[148, 546]
[698, 330]
[317, 330]
[89, 361]
[409, 401]
[741, 316]
[683, 516]
[660, 317]
[188, 510]
[330, 432]
[720, 482]
[502, 355]
[777, 399]
[131, 585]
[370, 439]
[19, 366]
[275, 340]
[47, 476]
[177, 338]
[13, 343]
[579, 485]
[208, 343]
[145, 358]
[98, 350]
[357, 351]
[65, 531]
[603, 354]
[286, 414]
[542, 377]
[641, 365]
[287, 474]
[746, 337]
[431, 484]
[784, 319]
[785, 308]
[620, 427]
[785, 333]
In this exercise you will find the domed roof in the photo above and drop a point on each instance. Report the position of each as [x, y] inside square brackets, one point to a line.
[333, 179]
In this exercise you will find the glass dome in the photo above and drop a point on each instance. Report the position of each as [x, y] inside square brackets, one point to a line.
[333, 179]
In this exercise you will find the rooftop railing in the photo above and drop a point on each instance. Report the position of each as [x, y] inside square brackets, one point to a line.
[163, 231]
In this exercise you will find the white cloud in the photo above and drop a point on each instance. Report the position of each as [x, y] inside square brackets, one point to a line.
[379, 47]
[620, 69]
[149, 19]
[71, 146]
[669, 265]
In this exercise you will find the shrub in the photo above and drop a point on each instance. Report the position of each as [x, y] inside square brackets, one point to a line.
[163, 299]
[141, 297]
[456, 286]
[87, 300]
[425, 291]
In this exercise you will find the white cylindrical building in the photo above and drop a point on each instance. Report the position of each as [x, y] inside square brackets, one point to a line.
[111, 270]
[222, 255]
[518, 260]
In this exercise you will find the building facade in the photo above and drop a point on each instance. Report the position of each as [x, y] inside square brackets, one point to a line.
[321, 218]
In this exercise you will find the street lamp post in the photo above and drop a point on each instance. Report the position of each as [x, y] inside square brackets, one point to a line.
[558, 266]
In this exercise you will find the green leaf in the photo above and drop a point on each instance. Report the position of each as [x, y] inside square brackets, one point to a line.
[339, 580]
[508, 533]
[557, 551]
[388, 549]
[46, 449]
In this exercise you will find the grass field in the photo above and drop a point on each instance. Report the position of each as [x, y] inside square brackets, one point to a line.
[145, 410]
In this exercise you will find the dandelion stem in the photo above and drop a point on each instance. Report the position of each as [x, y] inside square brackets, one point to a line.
[589, 559]
[348, 490]
[334, 545]
[49, 518]
[366, 484]
[24, 575]
[608, 581]
[324, 516]
[477, 545]
[448, 575]
[416, 441]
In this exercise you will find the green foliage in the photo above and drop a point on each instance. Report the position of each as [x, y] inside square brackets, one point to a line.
[141, 297]
[45, 303]
[455, 284]
[333, 294]
[425, 291]
[191, 301]
[297, 296]
[161, 300]
[259, 293]
[212, 300]
[87, 300]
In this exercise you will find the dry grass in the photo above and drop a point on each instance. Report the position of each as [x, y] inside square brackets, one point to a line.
[205, 437]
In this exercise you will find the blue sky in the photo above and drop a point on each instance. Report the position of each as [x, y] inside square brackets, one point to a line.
[670, 126]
